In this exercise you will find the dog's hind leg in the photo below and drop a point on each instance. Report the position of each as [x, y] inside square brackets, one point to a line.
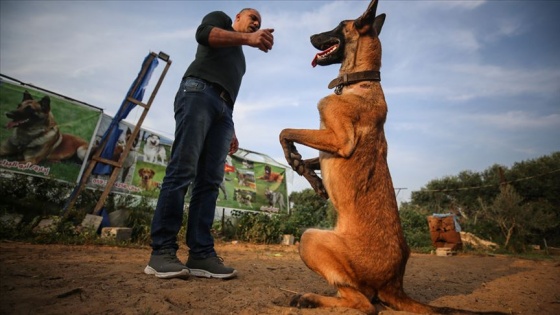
[81, 152]
[326, 253]
[69, 146]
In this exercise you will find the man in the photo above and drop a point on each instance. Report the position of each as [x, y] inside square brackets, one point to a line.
[204, 135]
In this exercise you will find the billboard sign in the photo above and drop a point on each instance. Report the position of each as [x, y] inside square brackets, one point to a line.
[44, 134]
[49, 135]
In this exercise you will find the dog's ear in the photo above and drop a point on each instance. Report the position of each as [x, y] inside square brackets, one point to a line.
[45, 104]
[378, 23]
[368, 20]
[26, 96]
[368, 17]
[152, 172]
[140, 171]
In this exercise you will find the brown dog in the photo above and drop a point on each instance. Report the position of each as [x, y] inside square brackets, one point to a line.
[271, 176]
[366, 254]
[146, 179]
[36, 135]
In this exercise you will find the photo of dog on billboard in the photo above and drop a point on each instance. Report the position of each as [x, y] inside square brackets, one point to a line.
[42, 133]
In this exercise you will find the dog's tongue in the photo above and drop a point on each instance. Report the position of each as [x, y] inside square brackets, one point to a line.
[11, 124]
[314, 61]
[322, 53]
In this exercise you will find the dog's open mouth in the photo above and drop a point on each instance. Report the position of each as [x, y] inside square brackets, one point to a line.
[328, 49]
[15, 123]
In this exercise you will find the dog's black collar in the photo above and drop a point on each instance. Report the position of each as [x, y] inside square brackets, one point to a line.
[349, 78]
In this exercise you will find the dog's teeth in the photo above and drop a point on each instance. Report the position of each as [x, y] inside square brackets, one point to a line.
[323, 54]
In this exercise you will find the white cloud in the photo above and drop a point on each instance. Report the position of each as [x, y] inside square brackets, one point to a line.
[517, 120]
[492, 80]
[464, 40]
[411, 90]
[451, 5]
[505, 27]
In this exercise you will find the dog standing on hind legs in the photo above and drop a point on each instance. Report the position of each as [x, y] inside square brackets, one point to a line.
[365, 255]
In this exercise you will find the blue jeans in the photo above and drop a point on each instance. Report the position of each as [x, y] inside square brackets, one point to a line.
[203, 132]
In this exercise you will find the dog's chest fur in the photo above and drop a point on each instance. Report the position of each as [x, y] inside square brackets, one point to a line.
[38, 134]
[361, 112]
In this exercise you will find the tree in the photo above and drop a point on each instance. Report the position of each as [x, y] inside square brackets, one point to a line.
[537, 182]
[538, 179]
[517, 219]
[414, 221]
[454, 192]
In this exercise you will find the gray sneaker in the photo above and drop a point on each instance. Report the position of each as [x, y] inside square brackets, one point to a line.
[211, 267]
[166, 266]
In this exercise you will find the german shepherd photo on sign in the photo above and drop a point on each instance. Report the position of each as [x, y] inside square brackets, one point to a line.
[45, 130]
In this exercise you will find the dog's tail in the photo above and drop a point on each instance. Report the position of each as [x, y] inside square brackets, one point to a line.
[398, 300]
[402, 302]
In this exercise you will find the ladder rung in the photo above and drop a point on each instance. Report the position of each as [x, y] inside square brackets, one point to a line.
[106, 161]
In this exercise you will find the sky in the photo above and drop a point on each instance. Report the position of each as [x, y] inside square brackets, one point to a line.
[468, 84]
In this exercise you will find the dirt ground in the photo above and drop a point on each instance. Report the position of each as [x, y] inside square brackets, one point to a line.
[56, 279]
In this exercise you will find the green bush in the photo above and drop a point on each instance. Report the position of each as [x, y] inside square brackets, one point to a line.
[308, 211]
[258, 227]
[415, 227]
[139, 217]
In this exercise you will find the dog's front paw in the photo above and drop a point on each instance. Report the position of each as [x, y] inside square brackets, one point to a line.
[295, 161]
[295, 156]
[300, 301]
[316, 183]
[295, 300]
[320, 188]
[321, 191]
[298, 165]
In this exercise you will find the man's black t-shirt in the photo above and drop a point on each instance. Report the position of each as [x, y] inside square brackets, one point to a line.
[224, 66]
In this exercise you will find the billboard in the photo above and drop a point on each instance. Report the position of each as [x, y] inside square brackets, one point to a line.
[44, 134]
[143, 168]
[252, 181]
[49, 135]
[254, 185]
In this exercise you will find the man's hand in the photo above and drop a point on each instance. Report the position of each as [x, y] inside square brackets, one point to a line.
[234, 145]
[262, 39]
